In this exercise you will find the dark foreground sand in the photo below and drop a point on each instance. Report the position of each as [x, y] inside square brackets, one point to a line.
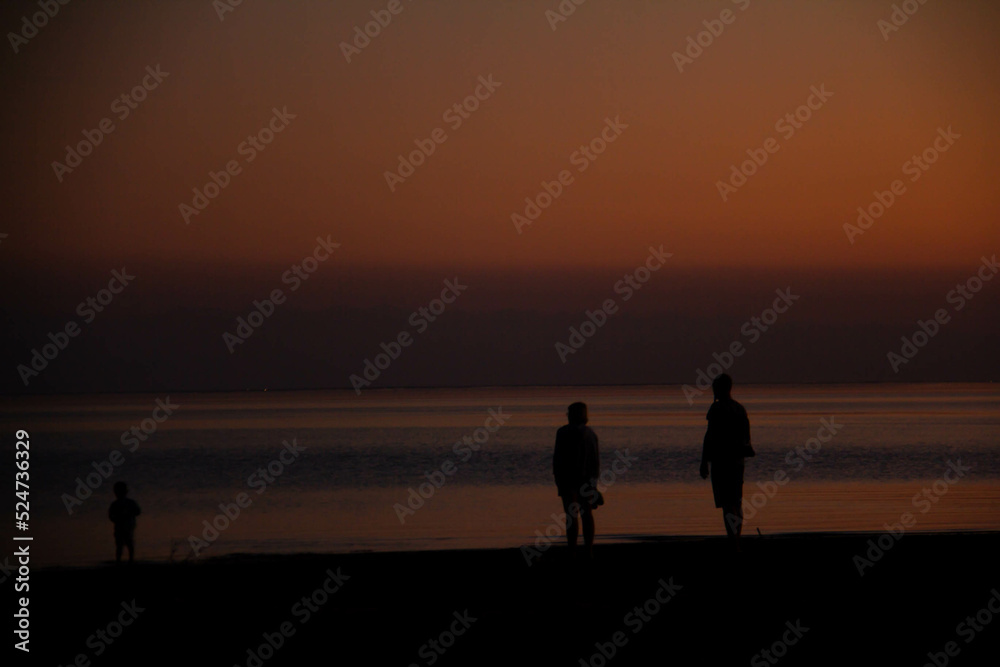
[721, 607]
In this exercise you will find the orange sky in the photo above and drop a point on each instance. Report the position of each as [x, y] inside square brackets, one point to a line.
[323, 175]
[655, 185]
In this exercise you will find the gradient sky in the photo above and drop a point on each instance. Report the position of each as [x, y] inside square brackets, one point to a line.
[655, 185]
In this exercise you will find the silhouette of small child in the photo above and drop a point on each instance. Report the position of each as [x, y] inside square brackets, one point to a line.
[123, 512]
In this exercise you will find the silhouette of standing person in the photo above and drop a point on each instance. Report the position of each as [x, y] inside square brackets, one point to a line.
[576, 466]
[727, 443]
[122, 513]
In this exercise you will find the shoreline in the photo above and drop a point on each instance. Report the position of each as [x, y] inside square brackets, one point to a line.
[637, 540]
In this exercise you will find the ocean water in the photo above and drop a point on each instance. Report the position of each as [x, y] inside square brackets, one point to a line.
[419, 469]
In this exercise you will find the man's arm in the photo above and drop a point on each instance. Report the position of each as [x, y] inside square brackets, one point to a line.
[556, 459]
[706, 455]
[747, 445]
[594, 464]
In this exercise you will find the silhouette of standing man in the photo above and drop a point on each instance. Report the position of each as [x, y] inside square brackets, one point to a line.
[576, 466]
[122, 513]
[727, 443]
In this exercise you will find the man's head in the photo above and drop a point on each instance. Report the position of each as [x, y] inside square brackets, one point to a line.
[121, 490]
[722, 386]
[577, 413]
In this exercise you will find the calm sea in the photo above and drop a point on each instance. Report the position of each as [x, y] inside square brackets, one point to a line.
[355, 484]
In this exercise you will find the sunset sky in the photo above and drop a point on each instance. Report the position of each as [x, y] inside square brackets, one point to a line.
[655, 184]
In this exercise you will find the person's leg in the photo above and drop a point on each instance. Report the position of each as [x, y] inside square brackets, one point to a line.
[118, 551]
[131, 549]
[733, 518]
[738, 503]
[733, 515]
[570, 508]
[727, 521]
[588, 529]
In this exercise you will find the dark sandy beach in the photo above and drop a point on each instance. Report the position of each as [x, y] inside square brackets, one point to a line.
[668, 601]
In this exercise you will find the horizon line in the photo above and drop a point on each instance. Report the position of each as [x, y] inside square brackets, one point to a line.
[489, 386]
